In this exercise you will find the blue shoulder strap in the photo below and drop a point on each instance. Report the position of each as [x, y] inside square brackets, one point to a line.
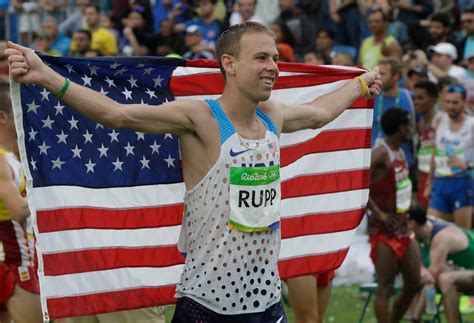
[267, 121]
[226, 129]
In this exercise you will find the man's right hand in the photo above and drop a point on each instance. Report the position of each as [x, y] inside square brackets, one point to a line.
[25, 66]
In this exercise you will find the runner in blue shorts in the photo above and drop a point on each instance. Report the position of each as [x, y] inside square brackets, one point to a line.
[454, 146]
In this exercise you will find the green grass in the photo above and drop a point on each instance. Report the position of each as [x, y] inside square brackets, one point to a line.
[344, 307]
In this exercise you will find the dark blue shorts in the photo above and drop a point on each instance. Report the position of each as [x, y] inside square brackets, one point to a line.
[450, 193]
[190, 311]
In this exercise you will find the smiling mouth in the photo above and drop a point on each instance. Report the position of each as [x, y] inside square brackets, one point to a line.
[268, 81]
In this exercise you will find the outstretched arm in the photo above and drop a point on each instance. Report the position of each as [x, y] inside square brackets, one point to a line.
[9, 194]
[328, 107]
[174, 117]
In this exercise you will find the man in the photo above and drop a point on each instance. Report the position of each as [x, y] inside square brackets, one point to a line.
[453, 153]
[103, 40]
[244, 13]
[60, 43]
[438, 30]
[465, 47]
[392, 248]
[379, 45]
[394, 96]
[19, 292]
[442, 63]
[425, 98]
[74, 21]
[223, 273]
[83, 40]
[444, 242]
[210, 26]
[192, 39]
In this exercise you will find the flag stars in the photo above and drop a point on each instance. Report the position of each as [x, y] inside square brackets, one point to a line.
[33, 164]
[70, 68]
[59, 108]
[140, 136]
[147, 70]
[170, 161]
[32, 107]
[145, 163]
[48, 123]
[86, 80]
[44, 148]
[128, 94]
[76, 152]
[129, 149]
[155, 148]
[57, 163]
[114, 66]
[168, 135]
[110, 82]
[44, 95]
[32, 134]
[87, 137]
[62, 137]
[103, 151]
[117, 164]
[102, 91]
[120, 71]
[90, 166]
[93, 69]
[158, 80]
[73, 122]
[132, 81]
[151, 93]
[113, 136]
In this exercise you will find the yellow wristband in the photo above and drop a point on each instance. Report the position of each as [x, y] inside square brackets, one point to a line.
[365, 88]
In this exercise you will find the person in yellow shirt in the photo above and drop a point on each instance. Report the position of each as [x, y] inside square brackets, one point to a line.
[103, 40]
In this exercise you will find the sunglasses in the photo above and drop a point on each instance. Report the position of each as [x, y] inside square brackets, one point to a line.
[454, 88]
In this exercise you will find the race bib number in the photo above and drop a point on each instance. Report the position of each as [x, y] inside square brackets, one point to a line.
[424, 159]
[404, 188]
[255, 197]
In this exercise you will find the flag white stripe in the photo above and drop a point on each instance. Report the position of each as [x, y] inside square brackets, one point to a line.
[322, 163]
[109, 280]
[349, 119]
[55, 197]
[315, 244]
[62, 241]
[324, 203]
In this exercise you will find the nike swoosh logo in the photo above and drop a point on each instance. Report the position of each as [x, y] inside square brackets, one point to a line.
[237, 153]
[281, 319]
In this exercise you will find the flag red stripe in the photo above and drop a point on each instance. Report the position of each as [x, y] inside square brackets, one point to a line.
[110, 301]
[311, 264]
[311, 224]
[327, 141]
[325, 183]
[212, 83]
[95, 218]
[110, 258]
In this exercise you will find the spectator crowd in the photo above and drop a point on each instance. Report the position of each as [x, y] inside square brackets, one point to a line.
[423, 120]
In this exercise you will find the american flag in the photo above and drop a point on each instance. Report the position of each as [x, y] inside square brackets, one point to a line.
[107, 204]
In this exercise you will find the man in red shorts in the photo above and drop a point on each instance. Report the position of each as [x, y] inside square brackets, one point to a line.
[19, 288]
[393, 247]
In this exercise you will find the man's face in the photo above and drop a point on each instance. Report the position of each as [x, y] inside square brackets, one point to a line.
[467, 20]
[442, 61]
[165, 28]
[423, 102]
[389, 81]
[92, 17]
[454, 104]
[437, 30]
[255, 70]
[323, 41]
[246, 8]
[376, 23]
[192, 39]
[50, 27]
[82, 42]
[312, 59]
[135, 20]
[206, 8]
[285, 4]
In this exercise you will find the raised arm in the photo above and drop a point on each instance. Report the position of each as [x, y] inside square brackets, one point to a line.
[326, 108]
[9, 194]
[174, 117]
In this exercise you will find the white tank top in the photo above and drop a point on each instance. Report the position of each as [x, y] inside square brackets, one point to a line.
[228, 270]
[449, 143]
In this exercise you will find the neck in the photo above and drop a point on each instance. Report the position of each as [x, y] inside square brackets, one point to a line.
[10, 145]
[239, 109]
[208, 19]
[459, 118]
[393, 91]
[393, 142]
[428, 115]
[379, 37]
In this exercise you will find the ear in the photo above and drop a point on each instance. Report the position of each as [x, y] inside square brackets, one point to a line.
[3, 117]
[228, 64]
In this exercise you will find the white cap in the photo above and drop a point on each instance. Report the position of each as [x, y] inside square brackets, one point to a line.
[445, 49]
[193, 29]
